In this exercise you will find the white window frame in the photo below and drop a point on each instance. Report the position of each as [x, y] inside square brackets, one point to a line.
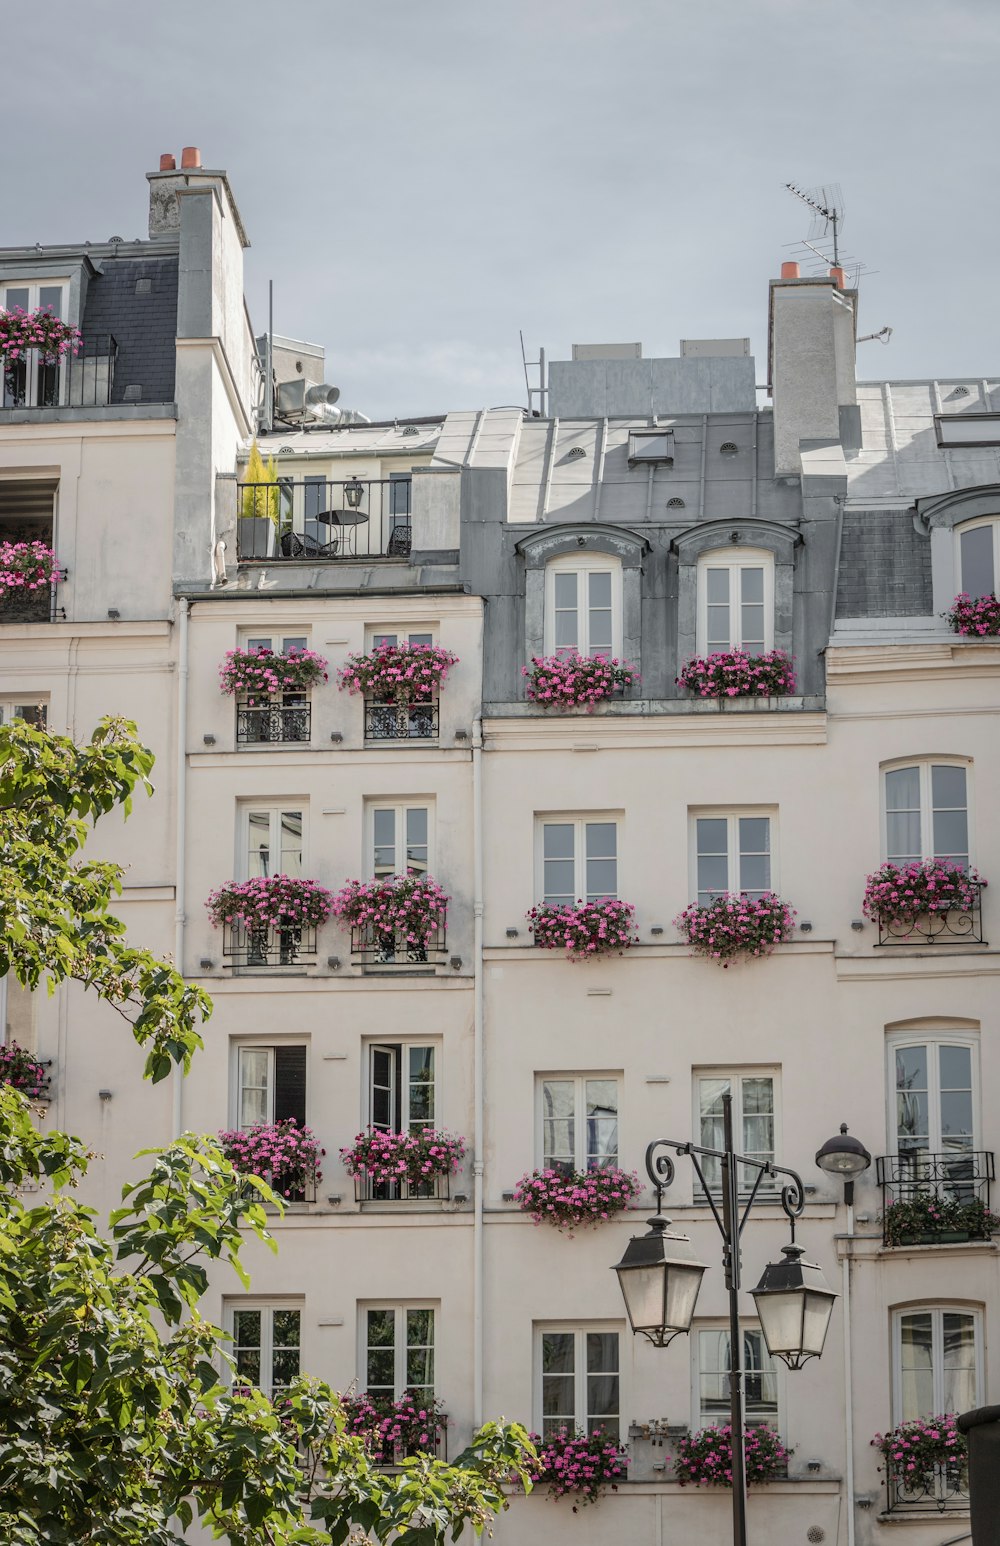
[583, 564]
[34, 288]
[735, 560]
[400, 808]
[731, 815]
[579, 1330]
[736, 1073]
[10, 701]
[267, 1307]
[406, 634]
[937, 1311]
[936, 1036]
[401, 1088]
[700, 1419]
[982, 520]
[579, 823]
[237, 1050]
[399, 1307]
[580, 1082]
[275, 809]
[925, 764]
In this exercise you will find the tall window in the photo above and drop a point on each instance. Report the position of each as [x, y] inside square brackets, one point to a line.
[979, 557]
[283, 717]
[934, 1088]
[399, 839]
[583, 606]
[266, 1345]
[578, 859]
[398, 1350]
[578, 1121]
[15, 707]
[937, 1361]
[754, 1118]
[579, 1381]
[735, 601]
[713, 1351]
[29, 382]
[926, 812]
[402, 1088]
[732, 853]
[270, 1085]
[272, 841]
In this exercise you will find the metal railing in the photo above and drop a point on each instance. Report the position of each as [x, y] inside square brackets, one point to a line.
[956, 1184]
[927, 1491]
[314, 518]
[401, 721]
[963, 925]
[84, 380]
[290, 1188]
[273, 722]
[268, 945]
[380, 948]
[367, 1190]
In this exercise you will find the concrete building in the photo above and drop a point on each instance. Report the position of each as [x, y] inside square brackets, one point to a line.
[656, 510]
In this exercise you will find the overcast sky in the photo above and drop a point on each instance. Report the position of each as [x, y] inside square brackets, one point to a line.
[422, 178]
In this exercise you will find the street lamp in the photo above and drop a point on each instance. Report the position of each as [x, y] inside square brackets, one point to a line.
[846, 1157]
[660, 1279]
[354, 492]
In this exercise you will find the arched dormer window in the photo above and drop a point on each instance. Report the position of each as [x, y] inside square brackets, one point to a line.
[735, 601]
[979, 556]
[583, 605]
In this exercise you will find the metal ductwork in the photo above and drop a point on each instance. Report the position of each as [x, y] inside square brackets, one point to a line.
[295, 399]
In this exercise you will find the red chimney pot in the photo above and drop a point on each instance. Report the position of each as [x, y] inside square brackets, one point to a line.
[839, 277]
[789, 271]
[168, 163]
[190, 156]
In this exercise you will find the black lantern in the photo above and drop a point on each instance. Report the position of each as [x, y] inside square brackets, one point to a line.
[794, 1304]
[354, 492]
[659, 1279]
[846, 1157]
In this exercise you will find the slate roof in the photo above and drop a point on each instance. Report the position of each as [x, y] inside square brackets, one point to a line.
[143, 319]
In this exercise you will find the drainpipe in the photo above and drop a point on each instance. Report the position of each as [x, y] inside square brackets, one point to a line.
[848, 1375]
[478, 1165]
[180, 856]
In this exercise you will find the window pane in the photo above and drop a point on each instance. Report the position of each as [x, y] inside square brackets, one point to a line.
[421, 1091]
[710, 1093]
[16, 295]
[599, 613]
[902, 803]
[246, 1328]
[420, 1328]
[951, 836]
[416, 840]
[755, 861]
[557, 1352]
[291, 843]
[717, 586]
[558, 1123]
[254, 1104]
[558, 867]
[752, 587]
[601, 1096]
[566, 631]
[420, 1348]
[284, 1367]
[259, 845]
[956, 1067]
[602, 867]
[911, 1099]
[948, 786]
[916, 1367]
[381, 1328]
[978, 577]
[384, 829]
[959, 1382]
[50, 298]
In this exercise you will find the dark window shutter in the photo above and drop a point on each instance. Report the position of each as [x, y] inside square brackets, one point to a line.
[290, 1084]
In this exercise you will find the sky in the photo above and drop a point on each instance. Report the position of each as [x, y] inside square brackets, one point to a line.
[423, 180]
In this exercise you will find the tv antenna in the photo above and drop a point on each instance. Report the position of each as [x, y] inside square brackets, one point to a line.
[827, 205]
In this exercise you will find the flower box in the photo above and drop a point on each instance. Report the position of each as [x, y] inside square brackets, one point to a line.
[397, 918]
[270, 901]
[734, 927]
[925, 1463]
[977, 618]
[28, 574]
[403, 1164]
[573, 681]
[392, 1430]
[934, 1218]
[897, 895]
[734, 674]
[282, 1154]
[23, 331]
[579, 1465]
[706, 1458]
[576, 1199]
[398, 673]
[21, 1070]
[258, 676]
[584, 929]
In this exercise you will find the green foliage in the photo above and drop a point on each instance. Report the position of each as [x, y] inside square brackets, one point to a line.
[55, 922]
[264, 498]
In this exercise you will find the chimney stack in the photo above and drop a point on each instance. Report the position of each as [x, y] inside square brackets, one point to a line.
[811, 337]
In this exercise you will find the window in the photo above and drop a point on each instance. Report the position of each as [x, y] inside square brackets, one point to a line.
[735, 601]
[29, 382]
[400, 486]
[754, 1119]
[315, 503]
[938, 1362]
[577, 1121]
[398, 1350]
[583, 607]
[270, 1085]
[926, 812]
[577, 859]
[17, 1012]
[979, 557]
[402, 1098]
[33, 713]
[732, 853]
[387, 720]
[378, 636]
[266, 1345]
[286, 716]
[579, 1383]
[399, 840]
[272, 843]
[713, 1363]
[934, 1093]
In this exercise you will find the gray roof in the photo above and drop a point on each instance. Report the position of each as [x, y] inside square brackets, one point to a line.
[135, 299]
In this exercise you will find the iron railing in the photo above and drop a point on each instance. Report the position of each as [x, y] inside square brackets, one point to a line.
[377, 947]
[945, 1486]
[963, 925]
[31, 606]
[401, 721]
[955, 1185]
[84, 380]
[273, 722]
[268, 944]
[288, 1188]
[367, 1190]
[314, 518]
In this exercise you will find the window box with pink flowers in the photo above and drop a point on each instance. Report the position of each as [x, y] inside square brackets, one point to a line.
[925, 1462]
[416, 1424]
[396, 920]
[29, 573]
[584, 930]
[736, 927]
[705, 1459]
[401, 1166]
[579, 1465]
[974, 617]
[735, 674]
[577, 683]
[576, 1199]
[270, 920]
[925, 901]
[400, 683]
[282, 1154]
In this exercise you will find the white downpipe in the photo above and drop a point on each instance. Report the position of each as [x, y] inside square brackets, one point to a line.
[180, 856]
[478, 1159]
[848, 1375]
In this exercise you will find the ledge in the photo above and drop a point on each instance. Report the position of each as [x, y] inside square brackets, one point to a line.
[109, 413]
[522, 727]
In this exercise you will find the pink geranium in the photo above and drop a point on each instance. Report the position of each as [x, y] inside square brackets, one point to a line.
[734, 674]
[705, 1459]
[408, 908]
[975, 618]
[270, 901]
[901, 893]
[576, 1199]
[584, 929]
[283, 1154]
[413, 1425]
[572, 681]
[26, 567]
[734, 925]
[22, 1071]
[23, 331]
[413, 1158]
[402, 673]
[919, 1453]
[577, 1464]
[259, 675]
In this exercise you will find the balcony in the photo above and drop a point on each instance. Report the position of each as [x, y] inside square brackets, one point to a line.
[436, 1188]
[38, 606]
[962, 925]
[401, 721]
[85, 380]
[270, 945]
[313, 519]
[375, 947]
[934, 1199]
[928, 1490]
[273, 723]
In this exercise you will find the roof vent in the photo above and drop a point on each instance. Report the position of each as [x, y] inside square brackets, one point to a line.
[410, 429]
[132, 394]
[144, 287]
[115, 241]
[675, 504]
[576, 451]
[728, 448]
[651, 446]
[960, 391]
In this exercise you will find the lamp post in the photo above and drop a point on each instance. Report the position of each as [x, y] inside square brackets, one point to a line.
[354, 492]
[660, 1279]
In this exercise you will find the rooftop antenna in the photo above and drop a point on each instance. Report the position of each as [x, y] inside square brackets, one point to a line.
[827, 205]
[541, 390]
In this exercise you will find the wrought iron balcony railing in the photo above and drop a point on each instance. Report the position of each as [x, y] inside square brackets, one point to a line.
[268, 945]
[401, 721]
[963, 925]
[84, 380]
[931, 1198]
[927, 1490]
[273, 722]
[315, 519]
[367, 1190]
[376, 947]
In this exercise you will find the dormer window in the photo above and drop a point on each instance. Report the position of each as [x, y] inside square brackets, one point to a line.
[29, 381]
[583, 605]
[735, 601]
[979, 557]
